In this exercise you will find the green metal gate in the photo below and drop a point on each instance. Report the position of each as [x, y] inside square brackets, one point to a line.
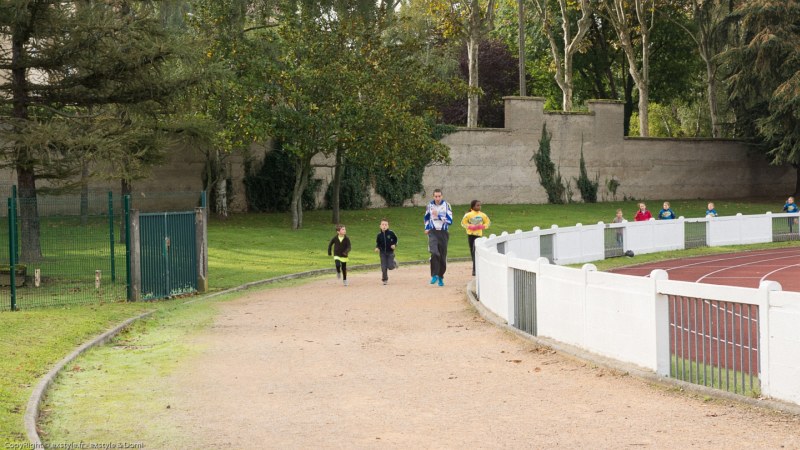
[168, 254]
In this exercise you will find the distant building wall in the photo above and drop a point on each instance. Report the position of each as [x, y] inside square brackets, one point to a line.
[495, 166]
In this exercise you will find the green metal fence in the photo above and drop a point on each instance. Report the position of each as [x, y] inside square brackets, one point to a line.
[63, 253]
[70, 248]
[168, 254]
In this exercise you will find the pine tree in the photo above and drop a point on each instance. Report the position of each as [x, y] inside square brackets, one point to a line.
[95, 93]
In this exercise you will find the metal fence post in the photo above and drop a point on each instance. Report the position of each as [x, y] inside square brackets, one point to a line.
[12, 227]
[111, 234]
[16, 244]
[201, 227]
[127, 209]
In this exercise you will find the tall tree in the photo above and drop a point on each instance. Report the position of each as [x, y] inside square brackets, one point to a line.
[764, 77]
[707, 17]
[628, 27]
[564, 51]
[523, 89]
[339, 87]
[60, 88]
[232, 35]
[471, 21]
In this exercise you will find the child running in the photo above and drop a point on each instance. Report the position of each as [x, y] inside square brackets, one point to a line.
[474, 222]
[341, 248]
[385, 243]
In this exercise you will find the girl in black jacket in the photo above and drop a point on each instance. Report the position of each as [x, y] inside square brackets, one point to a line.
[341, 248]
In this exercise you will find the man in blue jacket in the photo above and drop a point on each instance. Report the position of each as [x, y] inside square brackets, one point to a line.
[438, 218]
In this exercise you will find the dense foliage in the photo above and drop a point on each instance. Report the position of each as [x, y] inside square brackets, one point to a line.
[587, 186]
[268, 185]
[549, 176]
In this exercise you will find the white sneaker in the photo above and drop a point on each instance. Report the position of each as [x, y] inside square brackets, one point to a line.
[338, 275]
[345, 282]
[386, 282]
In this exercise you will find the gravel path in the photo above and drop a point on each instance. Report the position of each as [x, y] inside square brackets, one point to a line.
[410, 365]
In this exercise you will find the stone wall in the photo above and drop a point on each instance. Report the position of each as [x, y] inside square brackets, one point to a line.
[495, 166]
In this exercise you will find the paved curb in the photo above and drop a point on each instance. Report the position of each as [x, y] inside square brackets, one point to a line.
[624, 368]
[35, 400]
[32, 409]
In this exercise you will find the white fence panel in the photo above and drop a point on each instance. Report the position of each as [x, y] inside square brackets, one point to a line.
[621, 320]
[654, 236]
[708, 291]
[579, 244]
[493, 287]
[560, 303]
[738, 229]
[524, 245]
[784, 346]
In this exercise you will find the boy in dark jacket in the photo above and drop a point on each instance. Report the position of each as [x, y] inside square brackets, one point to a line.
[385, 243]
[341, 248]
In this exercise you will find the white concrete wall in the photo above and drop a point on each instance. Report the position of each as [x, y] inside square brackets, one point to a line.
[654, 236]
[784, 346]
[739, 229]
[627, 318]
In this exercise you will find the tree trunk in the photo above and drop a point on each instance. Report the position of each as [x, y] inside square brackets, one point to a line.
[336, 185]
[716, 129]
[796, 180]
[220, 186]
[302, 170]
[26, 178]
[29, 226]
[628, 106]
[567, 87]
[644, 85]
[523, 90]
[472, 102]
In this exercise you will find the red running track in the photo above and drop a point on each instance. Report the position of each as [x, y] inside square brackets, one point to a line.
[744, 269]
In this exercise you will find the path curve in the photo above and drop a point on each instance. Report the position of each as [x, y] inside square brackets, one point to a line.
[413, 365]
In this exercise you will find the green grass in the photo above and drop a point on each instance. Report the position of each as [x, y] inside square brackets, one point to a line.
[715, 377]
[251, 247]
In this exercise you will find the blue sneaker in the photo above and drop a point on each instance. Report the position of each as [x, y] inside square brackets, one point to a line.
[434, 279]
[441, 281]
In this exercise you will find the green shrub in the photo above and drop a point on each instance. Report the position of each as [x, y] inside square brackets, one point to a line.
[396, 189]
[549, 177]
[587, 187]
[269, 186]
[354, 189]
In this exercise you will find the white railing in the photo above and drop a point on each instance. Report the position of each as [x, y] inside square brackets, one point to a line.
[627, 317]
